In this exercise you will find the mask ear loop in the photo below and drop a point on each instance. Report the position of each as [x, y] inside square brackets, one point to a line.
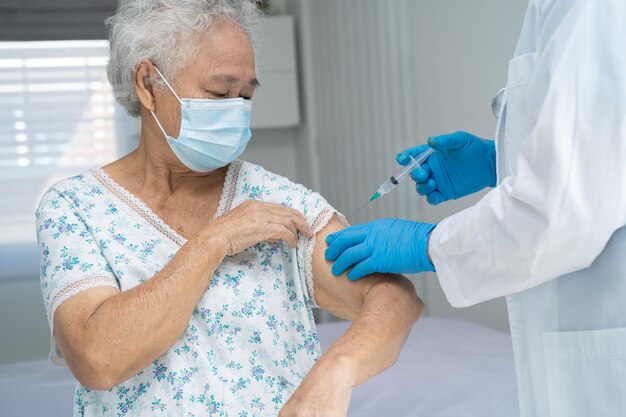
[158, 123]
[168, 84]
[173, 92]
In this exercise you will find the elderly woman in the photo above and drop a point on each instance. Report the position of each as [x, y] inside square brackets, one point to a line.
[179, 280]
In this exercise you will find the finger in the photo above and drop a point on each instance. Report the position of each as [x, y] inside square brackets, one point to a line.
[451, 142]
[363, 268]
[294, 217]
[301, 224]
[435, 198]
[333, 236]
[280, 208]
[427, 169]
[349, 257]
[283, 210]
[421, 174]
[404, 157]
[285, 221]
[277, 231]
[345, 240]
[426, 187]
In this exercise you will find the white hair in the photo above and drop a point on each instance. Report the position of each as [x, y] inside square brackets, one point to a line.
[163, 32]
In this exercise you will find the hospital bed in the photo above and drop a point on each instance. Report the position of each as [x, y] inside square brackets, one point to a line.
[449, 368]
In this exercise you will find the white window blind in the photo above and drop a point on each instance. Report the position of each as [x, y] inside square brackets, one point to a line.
[57, 119]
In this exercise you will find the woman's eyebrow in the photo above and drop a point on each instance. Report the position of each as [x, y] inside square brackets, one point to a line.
[254, 82]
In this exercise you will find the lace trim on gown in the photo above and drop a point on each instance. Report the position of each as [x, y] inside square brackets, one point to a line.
[141, 208]
[318, 224]
[68, 292]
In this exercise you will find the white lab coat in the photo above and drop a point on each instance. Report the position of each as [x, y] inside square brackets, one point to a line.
[551, 235]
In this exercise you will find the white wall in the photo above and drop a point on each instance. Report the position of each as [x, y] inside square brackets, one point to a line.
[465, 48]
[23, 325]
[275, 149]
[379, 76]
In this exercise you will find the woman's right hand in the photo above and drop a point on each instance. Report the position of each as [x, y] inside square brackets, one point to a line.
[255, 221]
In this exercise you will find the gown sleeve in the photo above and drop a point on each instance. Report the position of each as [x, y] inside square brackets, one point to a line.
[318, 213]
[71, 259]
[263, 185]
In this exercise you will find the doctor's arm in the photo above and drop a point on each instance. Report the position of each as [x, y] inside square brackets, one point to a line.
[566, 194]
[382, 308]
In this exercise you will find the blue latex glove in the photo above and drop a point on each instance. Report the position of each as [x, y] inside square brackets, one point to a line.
[387, 245]
[462, 165]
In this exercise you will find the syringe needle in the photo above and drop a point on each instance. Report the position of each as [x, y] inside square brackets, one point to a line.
[360, 208]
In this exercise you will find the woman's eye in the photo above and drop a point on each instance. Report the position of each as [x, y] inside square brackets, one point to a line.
[215, 94]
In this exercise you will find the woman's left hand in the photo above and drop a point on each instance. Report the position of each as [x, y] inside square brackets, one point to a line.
[325, 392]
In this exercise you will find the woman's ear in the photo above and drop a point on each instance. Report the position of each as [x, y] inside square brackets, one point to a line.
[144, 86]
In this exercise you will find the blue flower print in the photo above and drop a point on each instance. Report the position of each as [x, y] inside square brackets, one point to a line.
[255, 338]
[257, 372]
[159, 371]
[157, 405]
[251, 337]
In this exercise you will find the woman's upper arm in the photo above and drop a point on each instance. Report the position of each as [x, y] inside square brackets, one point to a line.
[338, 295]
[72, 261]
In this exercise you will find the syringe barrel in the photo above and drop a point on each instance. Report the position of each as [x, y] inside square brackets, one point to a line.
[391, 183]
[387, 186]
[413, 165]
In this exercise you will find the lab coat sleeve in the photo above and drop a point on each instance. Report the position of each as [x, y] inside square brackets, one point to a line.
[566, 192]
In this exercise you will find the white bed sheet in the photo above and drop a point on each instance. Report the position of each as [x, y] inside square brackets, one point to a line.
[449, 368]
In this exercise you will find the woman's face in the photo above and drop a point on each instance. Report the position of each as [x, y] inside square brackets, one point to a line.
[223, 67]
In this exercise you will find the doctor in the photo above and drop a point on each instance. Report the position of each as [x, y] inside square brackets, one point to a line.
[550, 235]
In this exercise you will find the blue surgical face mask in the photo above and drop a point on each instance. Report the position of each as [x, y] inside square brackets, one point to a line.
[213, 133]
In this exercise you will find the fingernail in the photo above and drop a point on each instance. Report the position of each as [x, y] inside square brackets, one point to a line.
[431, 141]
[330, 239]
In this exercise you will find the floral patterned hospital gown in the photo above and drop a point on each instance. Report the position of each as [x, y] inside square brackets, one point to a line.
[251, 338]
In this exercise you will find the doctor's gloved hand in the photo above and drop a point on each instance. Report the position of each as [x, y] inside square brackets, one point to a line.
[387, 245]
[462, 165]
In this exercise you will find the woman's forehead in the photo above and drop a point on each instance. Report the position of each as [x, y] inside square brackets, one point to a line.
[225, 41]
[224, 56]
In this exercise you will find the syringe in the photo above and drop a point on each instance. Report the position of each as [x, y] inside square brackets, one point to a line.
[391, 183]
